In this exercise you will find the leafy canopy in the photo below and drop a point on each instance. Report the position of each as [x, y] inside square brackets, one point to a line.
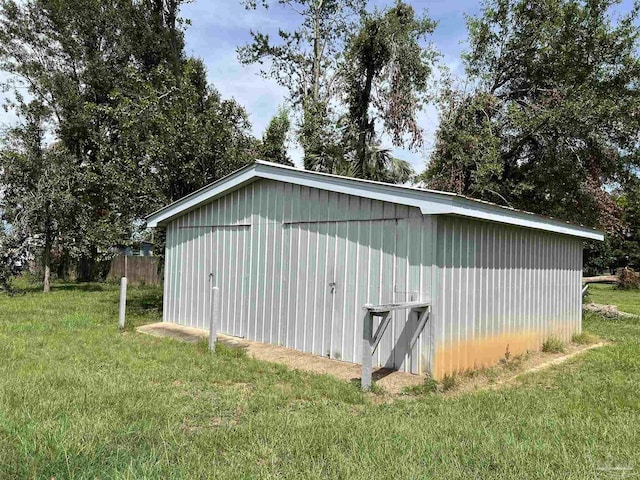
[307, 62]
[385, 75]
[134, 122]
[553, 118]
[274, 140]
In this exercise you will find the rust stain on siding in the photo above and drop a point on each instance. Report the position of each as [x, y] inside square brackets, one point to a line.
[485, 352]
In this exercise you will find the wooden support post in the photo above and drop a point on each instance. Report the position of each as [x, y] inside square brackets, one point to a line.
[215, 318]
[384, 323]
[422, 321]
[367, 331]
[123, 302]
[370, 341]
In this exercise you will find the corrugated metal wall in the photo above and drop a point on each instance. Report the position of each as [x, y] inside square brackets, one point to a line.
[501, 289]
[275, 249]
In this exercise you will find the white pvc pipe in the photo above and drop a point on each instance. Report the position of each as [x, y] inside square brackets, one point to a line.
[215, 317]
[123, 302]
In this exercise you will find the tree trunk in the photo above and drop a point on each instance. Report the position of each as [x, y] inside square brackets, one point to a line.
[317, 51]
[46, 263]
[364, 125]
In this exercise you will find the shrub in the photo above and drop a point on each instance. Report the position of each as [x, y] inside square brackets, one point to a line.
[12, 257]
[553, 345]
[628, 279]
[584, 338]
[429, 386]
[449, 382]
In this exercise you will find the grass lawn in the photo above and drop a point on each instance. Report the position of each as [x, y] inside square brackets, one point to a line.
[626, 300]
[78, 399]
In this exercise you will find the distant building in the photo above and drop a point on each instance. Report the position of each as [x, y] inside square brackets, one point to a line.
[138, 249]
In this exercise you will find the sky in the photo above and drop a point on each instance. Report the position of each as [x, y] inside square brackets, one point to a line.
[218, 28]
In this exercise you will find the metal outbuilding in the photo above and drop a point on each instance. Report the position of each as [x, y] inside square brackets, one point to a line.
[297, 256]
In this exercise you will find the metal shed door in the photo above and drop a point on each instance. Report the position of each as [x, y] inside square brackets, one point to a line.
[308, 286]
[330, 270]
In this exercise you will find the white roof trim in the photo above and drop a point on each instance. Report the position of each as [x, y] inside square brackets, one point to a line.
[428, 201]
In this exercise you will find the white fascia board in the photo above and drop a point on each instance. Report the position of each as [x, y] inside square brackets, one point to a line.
[350, 186]
[429, 202]
[478, 210]
[208, 193]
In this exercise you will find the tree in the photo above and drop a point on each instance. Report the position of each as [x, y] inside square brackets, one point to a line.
[552, 120]
[274, 140]
[386, 74]
[71, 55]
[467, 155]
[626, 246]
[12, 256]
[135, 118]
[306, 62]
[39, 187]
[182, 135]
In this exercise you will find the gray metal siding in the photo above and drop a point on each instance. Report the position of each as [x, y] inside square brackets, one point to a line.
[501, 289]
[274, 248]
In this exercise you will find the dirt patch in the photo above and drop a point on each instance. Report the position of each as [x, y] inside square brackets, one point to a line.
[177, 332]
[507, 372]
[391, 381]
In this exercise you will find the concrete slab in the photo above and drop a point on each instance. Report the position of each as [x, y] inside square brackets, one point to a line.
[390, 380]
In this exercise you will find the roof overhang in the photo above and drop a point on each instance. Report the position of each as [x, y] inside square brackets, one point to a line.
[430, 202]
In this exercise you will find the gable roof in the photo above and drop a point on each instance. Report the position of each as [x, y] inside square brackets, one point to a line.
[430, 202]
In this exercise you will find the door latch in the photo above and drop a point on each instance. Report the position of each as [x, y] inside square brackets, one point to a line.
[332, 285]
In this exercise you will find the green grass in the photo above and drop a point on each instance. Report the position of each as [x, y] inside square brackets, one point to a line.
[78, 399]
[553, 345]
[626, 300]
[584, 338]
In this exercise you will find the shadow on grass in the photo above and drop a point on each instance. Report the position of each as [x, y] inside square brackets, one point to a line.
[23, 288]
[144, 305]
[80, 287]
[144, 300]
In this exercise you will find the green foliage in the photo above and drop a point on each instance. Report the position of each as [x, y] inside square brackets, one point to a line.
[183, 133]
[625, 247]
[549, 125]
[134, 118]
[12, 256]
[386, 73]
[428, 386]
[40, 186]
[598, 256]
[319, 135]
[584, 338]
[467, 153]
[344, 76]
[274, 140]
[306, 61]
[553, 345]
[449, 382]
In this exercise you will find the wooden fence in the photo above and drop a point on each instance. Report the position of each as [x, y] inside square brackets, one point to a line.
[136, 269]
